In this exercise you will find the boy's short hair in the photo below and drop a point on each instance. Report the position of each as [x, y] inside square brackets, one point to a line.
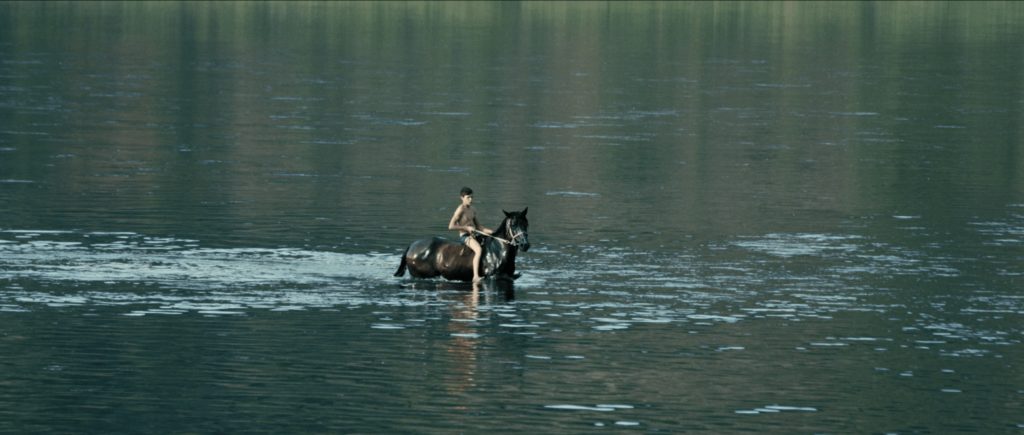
[466, 191]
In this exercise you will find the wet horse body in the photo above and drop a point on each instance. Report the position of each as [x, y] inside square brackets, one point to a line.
[437, 256]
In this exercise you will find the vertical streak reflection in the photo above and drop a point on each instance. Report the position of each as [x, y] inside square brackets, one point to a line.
[462, 348]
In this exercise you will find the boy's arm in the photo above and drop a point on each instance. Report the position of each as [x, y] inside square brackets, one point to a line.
[455, 218]
[481, 227]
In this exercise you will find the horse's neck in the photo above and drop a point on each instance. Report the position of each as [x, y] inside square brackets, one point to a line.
[506, 252]
[506, 258]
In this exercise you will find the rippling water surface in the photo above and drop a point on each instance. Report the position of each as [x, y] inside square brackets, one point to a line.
[779, 218]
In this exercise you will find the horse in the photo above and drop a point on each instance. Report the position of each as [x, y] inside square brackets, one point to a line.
[437, 256]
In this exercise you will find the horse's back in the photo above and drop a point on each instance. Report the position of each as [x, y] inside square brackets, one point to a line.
[429, 247]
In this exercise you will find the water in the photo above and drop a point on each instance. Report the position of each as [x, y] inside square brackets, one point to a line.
[782, 218]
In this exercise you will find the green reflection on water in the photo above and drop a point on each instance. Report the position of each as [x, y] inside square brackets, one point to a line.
[860, 107]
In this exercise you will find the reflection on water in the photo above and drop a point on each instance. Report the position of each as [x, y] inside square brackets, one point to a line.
[749, 217]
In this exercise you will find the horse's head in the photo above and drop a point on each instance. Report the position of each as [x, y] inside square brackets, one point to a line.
[515, 229]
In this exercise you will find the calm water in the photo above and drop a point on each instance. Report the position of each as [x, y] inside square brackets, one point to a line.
[775, 218]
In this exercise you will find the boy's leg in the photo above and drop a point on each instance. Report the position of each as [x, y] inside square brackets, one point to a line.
[477, 253]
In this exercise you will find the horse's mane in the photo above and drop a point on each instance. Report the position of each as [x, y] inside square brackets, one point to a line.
[502, 227]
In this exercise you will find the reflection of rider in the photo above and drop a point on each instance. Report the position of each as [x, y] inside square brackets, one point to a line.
[465, 222]
[463, 347]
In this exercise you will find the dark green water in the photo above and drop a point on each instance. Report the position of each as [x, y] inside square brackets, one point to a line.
[770, 217]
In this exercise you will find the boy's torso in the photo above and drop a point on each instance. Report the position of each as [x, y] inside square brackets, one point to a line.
[467, 219]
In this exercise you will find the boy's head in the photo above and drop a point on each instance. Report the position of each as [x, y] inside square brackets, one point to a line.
[467, 196]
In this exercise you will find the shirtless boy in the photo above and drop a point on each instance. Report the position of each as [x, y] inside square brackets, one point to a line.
[465, 222]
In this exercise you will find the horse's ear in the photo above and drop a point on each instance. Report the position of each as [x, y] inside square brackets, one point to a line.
[524, 211]
[507, 214]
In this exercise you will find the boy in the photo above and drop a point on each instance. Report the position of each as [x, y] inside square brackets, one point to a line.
[465, 222]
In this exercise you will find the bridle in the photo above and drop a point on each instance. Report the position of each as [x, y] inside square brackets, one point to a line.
[508, 230]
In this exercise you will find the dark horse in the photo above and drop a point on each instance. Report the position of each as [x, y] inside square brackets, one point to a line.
[438, 256]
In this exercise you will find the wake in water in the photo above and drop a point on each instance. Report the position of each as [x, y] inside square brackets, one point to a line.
[64, 268]
[55, 256]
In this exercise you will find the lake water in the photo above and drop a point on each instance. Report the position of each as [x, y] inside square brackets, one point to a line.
[771, 217]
